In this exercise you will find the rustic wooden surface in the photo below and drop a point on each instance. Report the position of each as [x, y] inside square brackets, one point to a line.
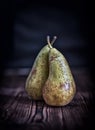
[17, 111]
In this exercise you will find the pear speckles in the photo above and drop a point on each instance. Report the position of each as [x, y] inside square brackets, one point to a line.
[34, 71]
[52, 58]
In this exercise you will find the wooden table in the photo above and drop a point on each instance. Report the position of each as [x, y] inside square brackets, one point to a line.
[17, 111]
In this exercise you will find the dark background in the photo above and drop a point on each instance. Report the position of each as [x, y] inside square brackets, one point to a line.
[25, 26]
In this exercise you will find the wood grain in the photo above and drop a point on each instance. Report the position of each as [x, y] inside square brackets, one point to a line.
[17, 111]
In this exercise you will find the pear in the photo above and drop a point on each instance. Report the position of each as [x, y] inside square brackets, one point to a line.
[60, 88]
[38, 74]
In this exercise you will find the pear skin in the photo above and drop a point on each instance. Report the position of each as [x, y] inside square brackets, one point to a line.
[60, 88]
[38, 75]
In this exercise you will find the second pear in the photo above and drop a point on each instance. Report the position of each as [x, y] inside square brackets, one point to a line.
[60, 87]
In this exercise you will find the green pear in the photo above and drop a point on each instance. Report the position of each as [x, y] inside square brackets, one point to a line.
[60, 88]
[38, 74]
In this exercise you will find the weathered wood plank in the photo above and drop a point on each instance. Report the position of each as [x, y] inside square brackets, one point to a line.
[22, 110]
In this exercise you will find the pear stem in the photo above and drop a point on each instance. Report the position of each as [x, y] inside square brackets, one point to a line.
[48, 41]
[51, 43]
[54, 39]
